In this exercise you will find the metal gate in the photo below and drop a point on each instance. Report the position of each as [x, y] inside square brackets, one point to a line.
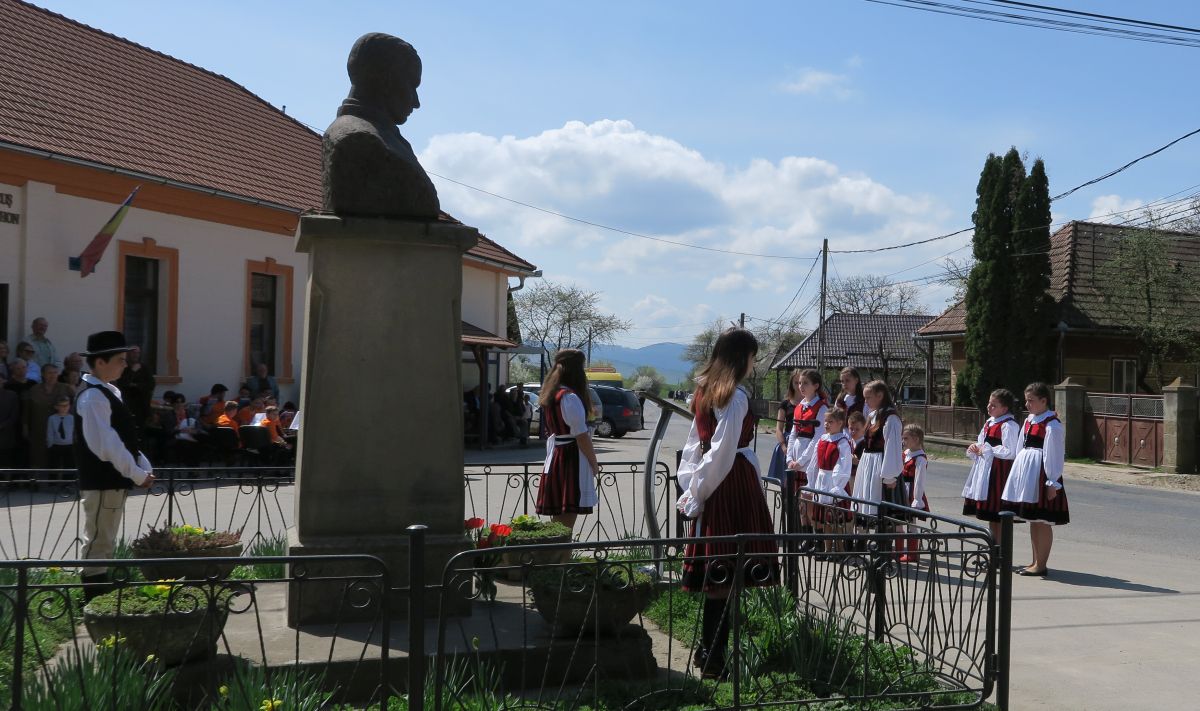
[1125, 429]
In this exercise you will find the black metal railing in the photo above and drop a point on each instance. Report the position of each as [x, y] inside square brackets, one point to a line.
[499, 492]
[602, 625]
[42, 517]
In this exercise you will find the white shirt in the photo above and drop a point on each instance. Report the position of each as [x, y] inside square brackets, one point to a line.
[1053, 447]
[893, 451]
[845, 463]
[96, 416]
[33, 371]
[68, 427]
[700, 472]
[803, 450]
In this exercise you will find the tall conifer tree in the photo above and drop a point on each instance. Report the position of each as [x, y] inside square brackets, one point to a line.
[1032, 324]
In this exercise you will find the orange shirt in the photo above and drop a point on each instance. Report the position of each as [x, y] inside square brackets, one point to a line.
[246, 415]
[272, 427]
[227, 421]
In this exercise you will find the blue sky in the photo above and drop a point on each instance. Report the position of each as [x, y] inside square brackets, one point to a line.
[758, 127]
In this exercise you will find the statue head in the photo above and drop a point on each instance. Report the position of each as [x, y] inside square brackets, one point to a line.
[385, 72]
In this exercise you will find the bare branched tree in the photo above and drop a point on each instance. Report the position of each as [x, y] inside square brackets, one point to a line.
[554, 316]
[954, 274]
[872, 294]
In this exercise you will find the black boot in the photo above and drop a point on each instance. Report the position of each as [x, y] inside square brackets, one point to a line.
[708, 627]
[716, 625]
[95, 585]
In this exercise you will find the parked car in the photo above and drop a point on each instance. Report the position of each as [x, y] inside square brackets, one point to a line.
[621, 412]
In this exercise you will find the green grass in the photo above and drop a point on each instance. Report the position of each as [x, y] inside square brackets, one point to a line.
[264, 547]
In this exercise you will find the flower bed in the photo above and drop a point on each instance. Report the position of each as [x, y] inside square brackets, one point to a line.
[187, 542]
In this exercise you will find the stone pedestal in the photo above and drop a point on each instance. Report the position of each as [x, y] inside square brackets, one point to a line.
[1070, 399]
[381, 446]
[1179, 428]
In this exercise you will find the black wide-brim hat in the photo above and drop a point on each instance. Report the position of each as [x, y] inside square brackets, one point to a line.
[106, 343]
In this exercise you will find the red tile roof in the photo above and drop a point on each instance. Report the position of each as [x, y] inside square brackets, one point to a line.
[81, 93]
[1078, 252]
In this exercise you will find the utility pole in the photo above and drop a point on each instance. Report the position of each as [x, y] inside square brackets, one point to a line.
[742, 321]
[821, 325]
[589, 353]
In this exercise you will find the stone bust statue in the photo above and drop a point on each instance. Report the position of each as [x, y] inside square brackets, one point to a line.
[370, 170]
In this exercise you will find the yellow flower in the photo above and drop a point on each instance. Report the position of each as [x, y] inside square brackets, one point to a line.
[271, 705]
[111, 641]
[150, 658]
[54, 569]
[223, 690]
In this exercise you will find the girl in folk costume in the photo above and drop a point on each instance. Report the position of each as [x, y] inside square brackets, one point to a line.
[835, 461]
[992, 454]
[913, 480]
[882, 459]
[850, 398]
[722, 493]
[568, 486]
[807, 427]
[783, 428]
[1034, 490]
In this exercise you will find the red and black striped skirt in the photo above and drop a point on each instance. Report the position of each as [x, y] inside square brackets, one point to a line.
[1054, 512]
[990, 509]
[558, 492]
[737, 506]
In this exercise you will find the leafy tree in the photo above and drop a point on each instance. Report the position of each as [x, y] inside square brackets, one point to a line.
[699, 350]
[1153, 294]
[987, 297]
[554, 316]
[872, 294]
[1032, 308]
[520, 370]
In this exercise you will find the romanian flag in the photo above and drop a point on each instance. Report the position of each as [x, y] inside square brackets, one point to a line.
[86, 262]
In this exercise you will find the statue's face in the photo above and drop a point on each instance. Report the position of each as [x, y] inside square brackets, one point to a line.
[402, 98]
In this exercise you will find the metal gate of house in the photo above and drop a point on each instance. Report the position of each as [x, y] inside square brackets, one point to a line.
[1125, 429]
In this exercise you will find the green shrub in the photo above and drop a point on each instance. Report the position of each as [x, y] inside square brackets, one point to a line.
[103, 678]
[157, 598]
[526, 532]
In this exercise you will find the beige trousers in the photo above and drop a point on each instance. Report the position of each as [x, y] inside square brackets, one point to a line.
[102, 512]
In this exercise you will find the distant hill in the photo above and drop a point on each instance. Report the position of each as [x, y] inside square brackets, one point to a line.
[665, 357]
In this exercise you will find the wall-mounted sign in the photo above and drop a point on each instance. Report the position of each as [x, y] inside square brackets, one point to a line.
[11, 218]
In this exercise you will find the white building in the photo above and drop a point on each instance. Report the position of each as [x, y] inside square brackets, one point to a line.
[203, 273]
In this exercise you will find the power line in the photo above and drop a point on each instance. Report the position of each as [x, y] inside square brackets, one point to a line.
[613, 229]
[1111, 173]
[1081, 13]
[794, 296]
[1109, 29]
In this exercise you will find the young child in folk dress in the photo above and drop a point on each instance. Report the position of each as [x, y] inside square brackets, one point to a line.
[992, 456]
[1034, 490]
[913, 477]
[835, 460]
[722, 494]
[882, 459]
[850, 398]
[807, 428]
[783, 428]
[568, 486]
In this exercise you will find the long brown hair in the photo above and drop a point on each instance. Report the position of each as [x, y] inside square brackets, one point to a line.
[888, 403]
[858, 389]
[567, 372]
[730, 362]
[793, 392]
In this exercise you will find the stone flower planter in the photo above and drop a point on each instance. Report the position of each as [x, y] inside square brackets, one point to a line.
[185, 570]
[183, 629]
[518, 554]
[575, 601]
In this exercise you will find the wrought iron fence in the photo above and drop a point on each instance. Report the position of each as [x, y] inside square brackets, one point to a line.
[42, 517]
[499, 492]
[599, 625]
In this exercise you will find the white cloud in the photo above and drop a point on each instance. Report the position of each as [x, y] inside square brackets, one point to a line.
[1108, 208]
[817, 82]
[613, 173]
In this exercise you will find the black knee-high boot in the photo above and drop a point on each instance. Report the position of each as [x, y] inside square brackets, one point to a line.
[716, 629]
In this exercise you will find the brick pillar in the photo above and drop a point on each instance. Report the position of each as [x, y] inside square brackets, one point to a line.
[1179, 428]
[1069, 402]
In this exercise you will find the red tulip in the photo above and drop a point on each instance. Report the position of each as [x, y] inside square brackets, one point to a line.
[474, 523]
[501, 529]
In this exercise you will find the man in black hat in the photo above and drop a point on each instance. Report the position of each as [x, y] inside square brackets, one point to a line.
[106, 454]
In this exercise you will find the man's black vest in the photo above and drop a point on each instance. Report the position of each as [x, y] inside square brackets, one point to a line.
[94, 473]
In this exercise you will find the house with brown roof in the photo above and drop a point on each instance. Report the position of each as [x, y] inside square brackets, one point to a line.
[879, 346]
[203, 272]
[1090, 344]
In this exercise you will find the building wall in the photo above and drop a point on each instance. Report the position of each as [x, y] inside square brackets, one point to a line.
[1088, 361]
[212, 288]
[484, 304]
